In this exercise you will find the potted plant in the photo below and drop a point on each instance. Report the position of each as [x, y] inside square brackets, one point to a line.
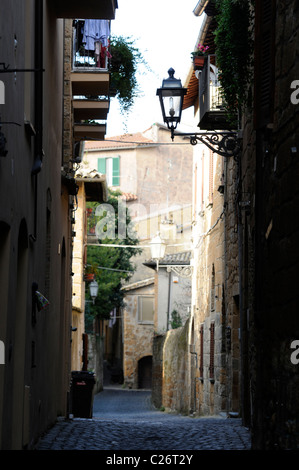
[199, 55]
[90, 272]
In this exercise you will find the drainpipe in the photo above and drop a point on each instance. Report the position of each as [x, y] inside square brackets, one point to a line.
[240, 256]
[169, 300]
[38, 105]
[38, 151]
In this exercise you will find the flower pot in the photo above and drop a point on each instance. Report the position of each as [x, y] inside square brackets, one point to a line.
[198, 62]
[89, 277]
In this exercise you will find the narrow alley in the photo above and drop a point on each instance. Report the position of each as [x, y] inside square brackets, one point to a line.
[126, 420]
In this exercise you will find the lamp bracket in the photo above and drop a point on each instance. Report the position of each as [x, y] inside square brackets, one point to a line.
[179, 270]
[225, 144]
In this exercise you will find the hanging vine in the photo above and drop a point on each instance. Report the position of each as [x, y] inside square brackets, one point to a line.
[234, 49]
[124, 61]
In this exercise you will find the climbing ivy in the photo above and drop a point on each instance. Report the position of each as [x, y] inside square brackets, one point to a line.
[234, 50]
[124, 62]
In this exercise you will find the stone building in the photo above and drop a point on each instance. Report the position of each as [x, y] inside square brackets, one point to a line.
[91, 187]
[36, 216]
[156, 184]
[269, 230]
[258, 375]
[206, 352]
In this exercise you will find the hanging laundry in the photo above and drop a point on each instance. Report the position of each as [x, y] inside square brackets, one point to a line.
[96, 31]
[112, 320]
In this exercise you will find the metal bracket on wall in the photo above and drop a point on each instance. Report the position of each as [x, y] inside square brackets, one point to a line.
[225, 144]
[183, 271]
[6, 69]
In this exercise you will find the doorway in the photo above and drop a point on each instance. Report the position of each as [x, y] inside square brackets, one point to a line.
[145, 372]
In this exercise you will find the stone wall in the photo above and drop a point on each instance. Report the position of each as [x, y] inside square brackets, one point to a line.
[171, 385]
[270, 231]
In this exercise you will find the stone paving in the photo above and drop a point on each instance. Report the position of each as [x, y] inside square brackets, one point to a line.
[126, 421]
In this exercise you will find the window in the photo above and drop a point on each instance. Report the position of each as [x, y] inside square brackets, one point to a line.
[110, 168]
[211, 176]
[201, 351]
[212, 293]
[146, 309]
[212, 350]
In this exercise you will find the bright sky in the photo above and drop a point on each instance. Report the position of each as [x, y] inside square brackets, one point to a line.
[165, 32]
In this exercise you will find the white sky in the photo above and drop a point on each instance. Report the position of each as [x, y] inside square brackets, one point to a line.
[165, 32]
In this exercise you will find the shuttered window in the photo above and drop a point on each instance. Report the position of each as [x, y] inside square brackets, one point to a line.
[212, 350]
[212, 292]
[264, 61]
[211, 176]
[201, 351]
[111, 168]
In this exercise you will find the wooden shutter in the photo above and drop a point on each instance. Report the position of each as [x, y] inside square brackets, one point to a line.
[212, 350]
[102, 165]
[201, 351]
[211, 176]
[115, 171]
[264, 62]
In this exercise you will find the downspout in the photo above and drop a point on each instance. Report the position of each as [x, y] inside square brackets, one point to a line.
[169, 300]
[240, 257]
[38, 85]
[38, 105]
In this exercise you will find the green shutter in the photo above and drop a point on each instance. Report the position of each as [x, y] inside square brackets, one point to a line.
[102, 165]
[115, 169]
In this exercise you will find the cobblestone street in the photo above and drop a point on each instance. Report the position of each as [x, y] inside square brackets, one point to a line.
[126, 420]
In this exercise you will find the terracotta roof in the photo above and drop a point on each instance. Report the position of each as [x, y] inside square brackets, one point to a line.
[86, 173]
[191, 97]
[139, 284]
[129, 197]
[174, 259]
[177, 258]
[125, 140]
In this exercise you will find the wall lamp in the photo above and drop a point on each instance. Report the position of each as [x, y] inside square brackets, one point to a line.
[158, 248]
[93, 289]
[171, 96]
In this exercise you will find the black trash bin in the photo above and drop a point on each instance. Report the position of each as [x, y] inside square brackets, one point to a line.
[82, 394]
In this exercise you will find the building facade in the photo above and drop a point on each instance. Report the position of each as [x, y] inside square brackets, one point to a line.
[36, 216]
[258, 372]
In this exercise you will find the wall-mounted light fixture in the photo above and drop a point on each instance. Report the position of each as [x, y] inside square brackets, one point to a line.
[171, 96]
[93, 289]
[158, 248]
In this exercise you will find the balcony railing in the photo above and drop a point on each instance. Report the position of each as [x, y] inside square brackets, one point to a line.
[91, 44]
[90, 78]
[212, 106]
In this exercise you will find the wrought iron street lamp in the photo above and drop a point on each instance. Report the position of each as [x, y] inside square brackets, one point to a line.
[171, 96]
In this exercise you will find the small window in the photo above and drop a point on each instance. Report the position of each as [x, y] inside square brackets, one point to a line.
[146, 309]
